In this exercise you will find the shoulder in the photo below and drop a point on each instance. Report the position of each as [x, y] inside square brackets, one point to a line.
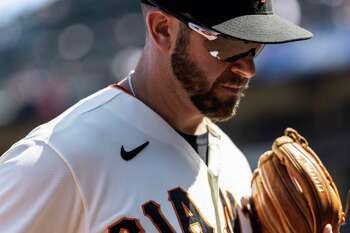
[88, 137]
[28, 158]
[60, 148]
[91, 122]
[34, 165]
[36, 182]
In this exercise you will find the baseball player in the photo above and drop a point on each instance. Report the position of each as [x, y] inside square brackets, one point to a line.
[145, 155]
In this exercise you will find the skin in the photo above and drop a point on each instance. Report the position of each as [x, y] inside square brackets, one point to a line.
[157, 85]
[162, 78]
[214, 99]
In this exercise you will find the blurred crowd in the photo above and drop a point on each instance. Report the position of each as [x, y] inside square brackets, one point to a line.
[53, 53]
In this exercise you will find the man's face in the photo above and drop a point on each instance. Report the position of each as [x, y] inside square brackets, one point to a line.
[217, 100]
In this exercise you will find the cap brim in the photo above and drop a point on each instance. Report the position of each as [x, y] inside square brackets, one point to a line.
[267, 29]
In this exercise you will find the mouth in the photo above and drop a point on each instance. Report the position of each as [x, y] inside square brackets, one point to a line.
[232, 89]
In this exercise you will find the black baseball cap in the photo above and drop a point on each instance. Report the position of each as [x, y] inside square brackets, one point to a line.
[248, 20]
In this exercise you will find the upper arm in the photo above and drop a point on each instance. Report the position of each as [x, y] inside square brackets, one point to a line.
[38, 192]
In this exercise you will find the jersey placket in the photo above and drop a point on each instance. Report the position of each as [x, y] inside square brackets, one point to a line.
[213, 173]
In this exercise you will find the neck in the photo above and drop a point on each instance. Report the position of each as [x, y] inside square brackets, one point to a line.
[160, 90]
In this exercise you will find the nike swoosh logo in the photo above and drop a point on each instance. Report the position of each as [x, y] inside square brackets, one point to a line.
[129, 155]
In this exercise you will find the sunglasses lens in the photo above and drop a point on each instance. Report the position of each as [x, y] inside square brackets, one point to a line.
[224, 49]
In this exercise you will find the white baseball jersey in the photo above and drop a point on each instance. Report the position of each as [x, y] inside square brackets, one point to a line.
[111, 164]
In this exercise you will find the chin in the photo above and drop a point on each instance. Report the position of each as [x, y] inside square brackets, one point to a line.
[225, 114]
[219, 119]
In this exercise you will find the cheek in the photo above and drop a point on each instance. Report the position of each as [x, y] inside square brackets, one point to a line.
[210, 66]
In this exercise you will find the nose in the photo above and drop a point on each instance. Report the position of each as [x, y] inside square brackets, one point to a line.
[244, 67]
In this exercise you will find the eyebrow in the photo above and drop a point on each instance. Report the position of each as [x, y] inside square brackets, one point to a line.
[240, 56]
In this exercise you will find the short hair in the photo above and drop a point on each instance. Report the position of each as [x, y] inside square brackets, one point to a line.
[146, 8]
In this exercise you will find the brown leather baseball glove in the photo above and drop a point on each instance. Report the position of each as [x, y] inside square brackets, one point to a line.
[292, 192]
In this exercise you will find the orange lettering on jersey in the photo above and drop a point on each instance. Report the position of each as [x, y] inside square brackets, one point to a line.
[151, 210]
[196, 228]
[190, 219]
[187, 211]
[189, 216]
[126, 225]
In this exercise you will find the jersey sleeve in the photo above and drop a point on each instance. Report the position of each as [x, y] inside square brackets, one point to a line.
[38, 192]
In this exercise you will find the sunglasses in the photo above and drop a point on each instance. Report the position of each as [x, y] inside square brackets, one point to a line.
[226, 49]
[219, 46]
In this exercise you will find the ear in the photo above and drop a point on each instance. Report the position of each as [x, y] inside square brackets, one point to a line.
[161, 30]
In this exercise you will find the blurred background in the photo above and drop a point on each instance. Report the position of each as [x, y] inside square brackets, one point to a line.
[55, 52]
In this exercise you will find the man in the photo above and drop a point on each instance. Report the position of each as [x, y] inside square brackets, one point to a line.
[144, 155]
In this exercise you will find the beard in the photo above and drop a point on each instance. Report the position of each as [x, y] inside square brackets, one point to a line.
[213, 101]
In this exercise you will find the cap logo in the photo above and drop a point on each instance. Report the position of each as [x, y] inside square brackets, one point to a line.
[262, 3]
